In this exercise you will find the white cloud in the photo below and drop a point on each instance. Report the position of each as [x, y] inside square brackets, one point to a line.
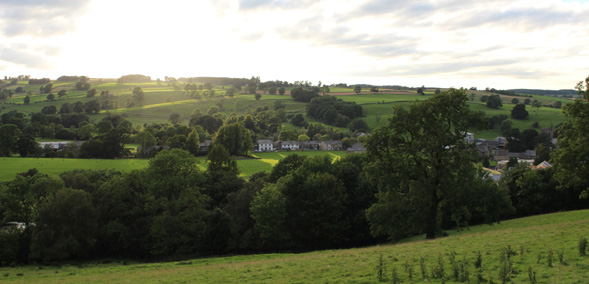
[502, 43]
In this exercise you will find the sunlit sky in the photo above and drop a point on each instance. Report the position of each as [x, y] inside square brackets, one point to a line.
[539, 44]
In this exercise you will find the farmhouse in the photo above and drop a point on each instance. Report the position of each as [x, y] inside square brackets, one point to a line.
[309, 145]
[330, 145]
[204, 146]
[290, 145]
[357, 148]
[57, 146]
[265, 145]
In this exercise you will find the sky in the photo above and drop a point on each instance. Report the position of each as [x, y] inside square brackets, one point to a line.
[503, 44]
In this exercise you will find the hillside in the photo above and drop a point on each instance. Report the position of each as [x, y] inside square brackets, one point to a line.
[162, 99]
[533, 241]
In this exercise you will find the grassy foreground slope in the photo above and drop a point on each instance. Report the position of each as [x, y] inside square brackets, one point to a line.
[531, 238]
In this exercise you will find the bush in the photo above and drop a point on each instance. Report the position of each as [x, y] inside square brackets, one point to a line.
[582, 246]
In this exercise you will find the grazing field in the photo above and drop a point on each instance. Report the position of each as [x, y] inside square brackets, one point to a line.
[544, 247]
[545, 117]
[161, 100]
[9, 167]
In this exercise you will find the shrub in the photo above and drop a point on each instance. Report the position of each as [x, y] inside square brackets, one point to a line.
[438, 270]
[423, 267]
[550, 258]
[478, 263]
[582, 246]
[531, 274]
[380, 268]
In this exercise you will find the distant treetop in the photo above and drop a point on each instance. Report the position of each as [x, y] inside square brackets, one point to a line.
[134, 78]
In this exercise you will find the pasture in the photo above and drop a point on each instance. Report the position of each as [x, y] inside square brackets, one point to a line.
[545, 246]
[9, 167]
[162, 99]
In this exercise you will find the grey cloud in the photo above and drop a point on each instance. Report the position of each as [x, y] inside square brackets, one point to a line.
[509, 68]
[469, 14]
[528, 19]
[39, 18]
[449, 67]
[29, 58]
[374, 45]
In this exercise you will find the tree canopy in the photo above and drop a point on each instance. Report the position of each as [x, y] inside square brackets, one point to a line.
[422, 152]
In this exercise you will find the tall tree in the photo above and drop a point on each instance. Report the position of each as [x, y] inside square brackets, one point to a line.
[570, 159]
[220, 160]
[357, 89]
[235, 138]
[175, 119]
[494, 101]
[9, 134]
[138, 93]
[422, 153]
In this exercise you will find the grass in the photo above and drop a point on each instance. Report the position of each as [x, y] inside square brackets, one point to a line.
[530, 236]
[9, 167]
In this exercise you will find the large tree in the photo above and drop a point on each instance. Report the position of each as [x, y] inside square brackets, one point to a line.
[572, 169]
[422, 154]
[494, 101]
[9, 134]
[235, 138]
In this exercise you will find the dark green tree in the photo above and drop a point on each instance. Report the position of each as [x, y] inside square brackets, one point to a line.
[9, 134]
[235, 138]
[192, 143]
[138, 93]
[357, 89]
[422, 153]
[494, 101]
[220, 160]
[175, 119]
[26, 145]
[66, 226]
[519, 112]
[572, 170]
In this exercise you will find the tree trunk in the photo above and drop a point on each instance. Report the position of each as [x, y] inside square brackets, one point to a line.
[431, 230]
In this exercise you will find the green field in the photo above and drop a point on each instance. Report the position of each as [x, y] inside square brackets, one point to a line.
[162, 100]
[531, 239]
[9, 167]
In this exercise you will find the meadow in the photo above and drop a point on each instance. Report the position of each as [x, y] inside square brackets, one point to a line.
[161, 100]
[544, 247]
[9, 167]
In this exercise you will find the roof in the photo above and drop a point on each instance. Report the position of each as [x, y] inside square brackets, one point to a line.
[357, 146]
[265, 141]
[290, 142]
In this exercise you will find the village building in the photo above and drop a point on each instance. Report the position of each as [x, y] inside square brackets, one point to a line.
[309, 145]
[357, 148]
[265, 145]
[289, 145]
[330, 145]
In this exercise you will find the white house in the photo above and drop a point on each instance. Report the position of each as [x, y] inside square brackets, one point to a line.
[265, 145]
[469, 138]
[290, 145]
[54, 145]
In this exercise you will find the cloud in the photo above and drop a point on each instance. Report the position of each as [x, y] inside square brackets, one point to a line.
[274, 4]
[38, 58]
[39, 18]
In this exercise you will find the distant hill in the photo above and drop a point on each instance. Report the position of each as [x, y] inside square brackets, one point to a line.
[545, 92]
